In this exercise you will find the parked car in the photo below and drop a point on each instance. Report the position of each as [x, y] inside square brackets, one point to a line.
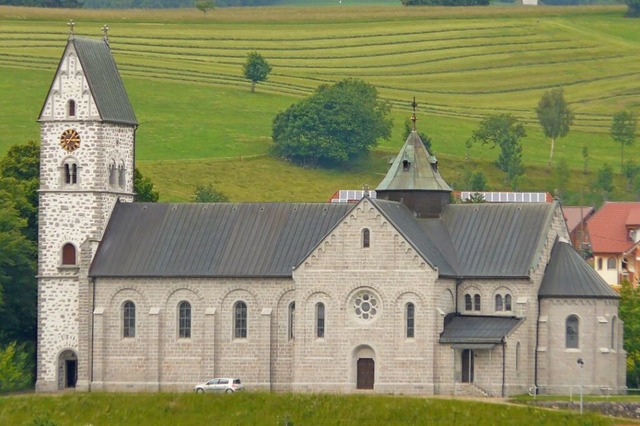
[226, 385]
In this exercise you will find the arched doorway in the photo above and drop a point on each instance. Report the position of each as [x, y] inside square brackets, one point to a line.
[467, 366]
[67, 369]
[365, 367]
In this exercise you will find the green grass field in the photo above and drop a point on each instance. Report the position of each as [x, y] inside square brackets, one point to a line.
[274, 409]
[183, 72]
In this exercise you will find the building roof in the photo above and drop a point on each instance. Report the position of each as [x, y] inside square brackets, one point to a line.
[568, 276]
[498, 240]
[574, 215]
[413, 169]
[212, 240]
[478, 329]
[608, 227]
[103, 78]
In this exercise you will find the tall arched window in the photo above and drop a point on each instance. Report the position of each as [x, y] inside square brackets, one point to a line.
[112, 173]
[613, 334]
[499, 303]
[411, 316]
[240, 320]
[518, 356]
[573, 332]
[476, 302]
[69, 254]
[129, 319]
[184, 319]
[121, 175]
[320, 320]
[366, 238]
[70, 173]
[611, 263]
[292, 320]
[71, 108]
[507, 302]
[468, 304]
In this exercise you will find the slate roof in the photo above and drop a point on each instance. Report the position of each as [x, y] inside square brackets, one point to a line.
[422, 174]
[607, 228]
[497, 240]
[568, 275]
[212, 240]
[478, 329]
[104, 80]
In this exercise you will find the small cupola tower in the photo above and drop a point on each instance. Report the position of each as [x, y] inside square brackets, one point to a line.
[87, 141]
[413, 178]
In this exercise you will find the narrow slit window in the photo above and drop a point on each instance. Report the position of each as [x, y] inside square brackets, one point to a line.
[292, 320]
[411, 313]
[476, 303]
[184, 320]
[71, 108]
[572, 332]
[320, 320]
[240, 320]
[468, 305]
[499, 303]
[366, 238]
[129, 319]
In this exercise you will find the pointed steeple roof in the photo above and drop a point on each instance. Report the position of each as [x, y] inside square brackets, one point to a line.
[414, 169]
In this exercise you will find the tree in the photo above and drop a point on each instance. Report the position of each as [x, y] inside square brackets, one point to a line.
[336, 124]
[408, 128]
[205, 5]
[555, 116]
[604, 180]
[633, 8]
[563, 176]
[505, 131]
[623, 131]
[207, 194]
[256, 69]
[143, 188]
[16, 367]
[629, 310]
[630, 170]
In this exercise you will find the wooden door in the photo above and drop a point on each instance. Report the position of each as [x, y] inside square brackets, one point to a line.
[467, 366]
[366, 373]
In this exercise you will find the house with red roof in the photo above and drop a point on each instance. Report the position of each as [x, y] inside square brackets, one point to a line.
[614, 232]
[576, 218]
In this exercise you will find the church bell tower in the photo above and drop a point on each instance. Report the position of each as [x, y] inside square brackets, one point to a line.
[87, 140]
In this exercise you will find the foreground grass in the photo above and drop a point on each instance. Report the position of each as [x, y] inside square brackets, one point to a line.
[273, 409]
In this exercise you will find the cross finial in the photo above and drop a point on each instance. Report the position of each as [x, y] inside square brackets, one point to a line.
[414, 104]
[71, 24]
[105, 34]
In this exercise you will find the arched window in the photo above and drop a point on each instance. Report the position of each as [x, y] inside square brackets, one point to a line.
[476, 302]
[507, 302]
[121, 175]
[292, 320]
[406, 165]
[129, 319]
[611, 263]
[184, 319]
[468, 304]
[70, 173]
[71, 108]
[69, 254]
[112, 173]
[499, 303]
[518, 356]
[366, 238]
[613, 334]
[411, 316]
[320, 320]
[240, 320]
[573, 332]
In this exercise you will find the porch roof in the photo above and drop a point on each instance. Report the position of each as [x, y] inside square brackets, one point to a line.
[465, 329]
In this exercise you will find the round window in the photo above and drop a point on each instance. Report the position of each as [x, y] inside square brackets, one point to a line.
[366, 306]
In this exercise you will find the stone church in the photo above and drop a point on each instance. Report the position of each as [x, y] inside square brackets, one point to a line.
[406, 293]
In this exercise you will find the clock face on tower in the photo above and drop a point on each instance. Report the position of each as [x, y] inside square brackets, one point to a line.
[70, 140]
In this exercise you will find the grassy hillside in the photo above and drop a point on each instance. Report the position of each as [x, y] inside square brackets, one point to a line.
[273, 409]
[183, 74]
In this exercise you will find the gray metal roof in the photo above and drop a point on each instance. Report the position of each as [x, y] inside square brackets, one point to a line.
[497, 240]
[211, 240]
[568, 275]
[104, 80]
[424, 243]
[477, 329]
[421, 173]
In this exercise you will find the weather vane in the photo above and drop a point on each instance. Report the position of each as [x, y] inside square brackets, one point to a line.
[71, 24]
[105, 36]
[414, 104]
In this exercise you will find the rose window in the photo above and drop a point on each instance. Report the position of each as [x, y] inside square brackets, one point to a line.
[365, 306]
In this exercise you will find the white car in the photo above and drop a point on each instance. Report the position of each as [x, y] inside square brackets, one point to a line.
[224, 385]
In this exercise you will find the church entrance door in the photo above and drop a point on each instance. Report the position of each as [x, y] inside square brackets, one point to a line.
[67, 370]
[467, 366]
[366, 373]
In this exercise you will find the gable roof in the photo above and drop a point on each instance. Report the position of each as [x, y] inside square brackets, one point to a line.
[478, 329]
[211, 240]
[498, 240]
[422, 173]
[103, 78]
[567, 275]
[607, 228]
[574, 215]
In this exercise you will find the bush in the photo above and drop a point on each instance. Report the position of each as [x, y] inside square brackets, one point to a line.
[16, 367]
